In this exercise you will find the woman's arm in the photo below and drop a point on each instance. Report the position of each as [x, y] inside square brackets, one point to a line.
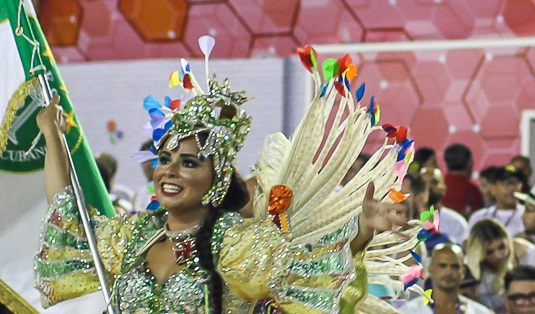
[51, 121]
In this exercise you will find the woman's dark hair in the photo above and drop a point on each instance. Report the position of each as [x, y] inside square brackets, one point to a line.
[488, 230]
[237, 196]
[104, 173]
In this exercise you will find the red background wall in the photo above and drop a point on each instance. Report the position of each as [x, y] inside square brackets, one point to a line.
[474, 97]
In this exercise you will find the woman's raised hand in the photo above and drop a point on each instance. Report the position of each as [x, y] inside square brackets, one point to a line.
[52, 118]
[380, 216]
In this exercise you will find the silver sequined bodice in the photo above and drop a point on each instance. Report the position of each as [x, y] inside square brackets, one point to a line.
[181, 293]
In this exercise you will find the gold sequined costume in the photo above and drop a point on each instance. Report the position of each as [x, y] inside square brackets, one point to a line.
[254, 258]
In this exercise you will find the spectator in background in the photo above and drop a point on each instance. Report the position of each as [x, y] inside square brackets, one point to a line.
[424, 157]
[121, 191]
[469, 284]
[505, 182]
[144, 194]
[121, 206]
[528, 217]
[485, 180]
[452, 224]
[446, 272]
[525, 241]
[416, 187]
[461, 194]
[520, 290]
[490, 254]
[524, 165]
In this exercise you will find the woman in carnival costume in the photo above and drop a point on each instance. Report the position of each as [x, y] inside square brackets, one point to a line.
[195, 254]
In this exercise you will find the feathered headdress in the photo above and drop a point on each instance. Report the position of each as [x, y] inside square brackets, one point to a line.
[217, 113]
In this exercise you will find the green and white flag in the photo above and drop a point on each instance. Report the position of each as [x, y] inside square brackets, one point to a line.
[24, 53]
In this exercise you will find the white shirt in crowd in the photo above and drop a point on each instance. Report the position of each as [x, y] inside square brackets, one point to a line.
[529, 257]
[417, 305]
[511, 219]
[454, 225]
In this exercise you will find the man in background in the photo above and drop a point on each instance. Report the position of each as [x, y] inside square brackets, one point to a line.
[505, 182]
[424, 157]
[446, 272]
[524, 165]
[452, 224]
[461, 195]
[520, 290]
[528, 218]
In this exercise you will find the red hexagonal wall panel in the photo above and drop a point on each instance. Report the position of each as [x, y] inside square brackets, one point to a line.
[429, 126]
[161, 20]
[218, 20]
[500, 121]
[326, 21]
[468, 89]
[270, 46]
[59, 20]
[519, 15]
[266, 16]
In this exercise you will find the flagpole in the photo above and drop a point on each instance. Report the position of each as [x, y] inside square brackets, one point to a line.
[80, 202]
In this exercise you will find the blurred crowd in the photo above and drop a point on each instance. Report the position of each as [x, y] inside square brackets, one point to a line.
[486, 237]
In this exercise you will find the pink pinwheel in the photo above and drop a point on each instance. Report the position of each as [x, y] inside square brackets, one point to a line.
[410, 278]
[432, 226]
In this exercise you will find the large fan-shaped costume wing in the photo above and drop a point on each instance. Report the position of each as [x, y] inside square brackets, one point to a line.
[324, 146]
[298, 177]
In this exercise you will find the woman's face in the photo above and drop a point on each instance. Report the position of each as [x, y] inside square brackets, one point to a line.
[181, 178]
[497, 253]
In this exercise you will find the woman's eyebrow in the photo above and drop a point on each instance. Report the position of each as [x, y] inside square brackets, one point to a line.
[188, 155]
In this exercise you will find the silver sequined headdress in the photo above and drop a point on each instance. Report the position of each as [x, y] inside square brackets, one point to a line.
[218, 114]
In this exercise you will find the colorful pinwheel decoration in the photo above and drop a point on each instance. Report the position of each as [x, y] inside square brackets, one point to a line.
[146, 156]
[114, 134]
[431, 222]
[154, 203]
[374, 111]
[308, 58]
[342, 70]
[415, 273]
[160, 115]
[399, 133]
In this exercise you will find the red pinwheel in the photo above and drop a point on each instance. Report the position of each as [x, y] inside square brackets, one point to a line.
[308, 57]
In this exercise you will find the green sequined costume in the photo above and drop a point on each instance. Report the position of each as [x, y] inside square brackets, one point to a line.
[254, 258]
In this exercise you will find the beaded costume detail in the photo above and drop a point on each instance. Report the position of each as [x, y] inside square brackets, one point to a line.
[254, 258]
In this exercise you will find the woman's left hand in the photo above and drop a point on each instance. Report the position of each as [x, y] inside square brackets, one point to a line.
[380, 216]
[376, 216]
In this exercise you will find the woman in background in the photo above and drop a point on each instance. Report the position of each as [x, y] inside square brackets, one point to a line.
[490, 254]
